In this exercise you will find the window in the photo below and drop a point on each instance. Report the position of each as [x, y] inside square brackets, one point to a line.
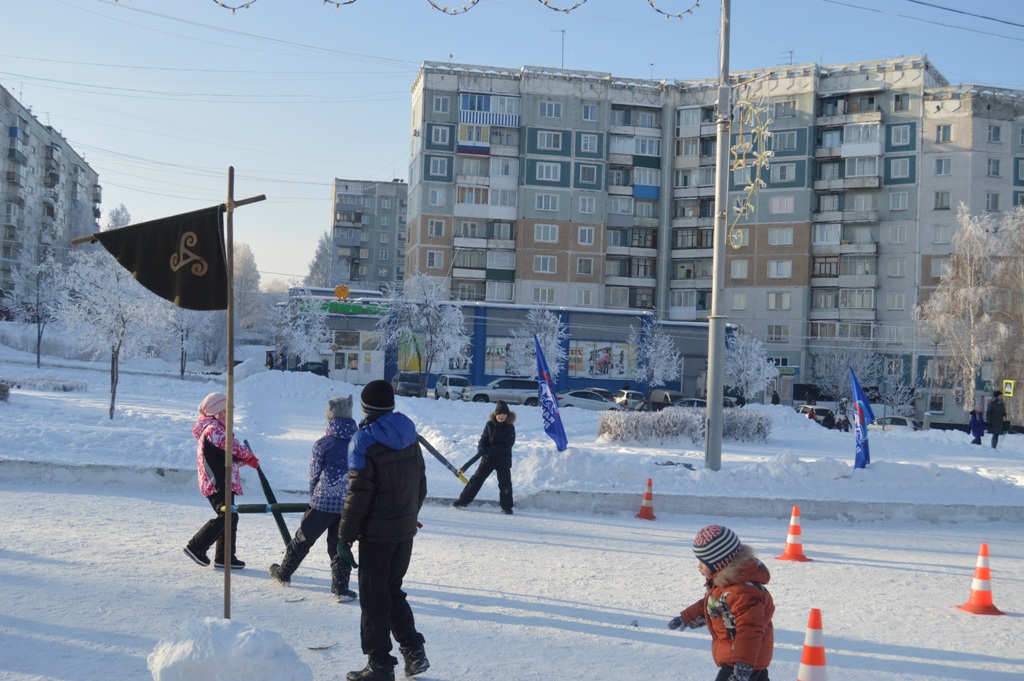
[826, 233]
[616, 296]
[473, 166]
[546, 202]
[898, 201]
[825, 299]
[897, 234]
[862, 201]
[588, 143]
[438, 196]
[777, 333]
[650, 177]
[899, 168]
[587, 205]
[741, 176]
[586, 236]
[543, 295]
[862, 166]
[901, 101]
[828, 202]
[504, 197]
[583, 297]
[939, 267]
[435, 260]
[784, 141]
[941, 201]
[620, 205]
[549, 109]
[900, 135]
[588, 174]
[896, 300]
[585, 266]
[441, 104]
[508, 137]
[383, 255]
[781, 205]
[992, 201]
[687, 118]
[501, 260]
[500, 291]
[471, 133]
[738, 269]
[897, 267]
[785, 109]
[439, 135]
[857, 298]
[549, 172]
[828, 171]
[472, 102]
[590, 112]
[435, 228]
[469, 228]
[783, 172]
[472, 195]
[543, 233]
[831, 139]
[689, 146]
[857, 133]
[739, 301]
[549, 141]
[778, 300]
[780, 236]
[995, 133]
[647, 146]
[943, 166]
[439, 167]
[742, 236]
[994, 167]
[647, 119]
[504, 166]
[780, 269]
[385, 238]
[544, 264]
[943, 133]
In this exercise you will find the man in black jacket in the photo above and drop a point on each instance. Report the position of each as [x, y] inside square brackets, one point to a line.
[387, 486]
[995, 415]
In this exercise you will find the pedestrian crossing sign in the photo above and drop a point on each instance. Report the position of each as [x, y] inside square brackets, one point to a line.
[1008, 388]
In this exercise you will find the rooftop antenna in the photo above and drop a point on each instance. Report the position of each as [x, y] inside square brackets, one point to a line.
[652, 70]
[783, 60]
[562, 31]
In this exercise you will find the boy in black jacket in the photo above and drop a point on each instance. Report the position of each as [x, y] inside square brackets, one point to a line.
[495, 447]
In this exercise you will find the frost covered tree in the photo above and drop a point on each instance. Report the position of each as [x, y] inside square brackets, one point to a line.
[552, 335]
[36, 294]
[897, 394]
[301, 326]
[109, 311]
[247, 297]
[960, 310]
[420, 318]
[657, 359]
[321, 266]
[1008, 307]
[831, 362]
[202, 332]
[747, 364]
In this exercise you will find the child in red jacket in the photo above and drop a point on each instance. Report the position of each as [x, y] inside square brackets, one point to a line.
[736, 608]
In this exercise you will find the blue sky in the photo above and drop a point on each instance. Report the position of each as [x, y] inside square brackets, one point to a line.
[161, 97]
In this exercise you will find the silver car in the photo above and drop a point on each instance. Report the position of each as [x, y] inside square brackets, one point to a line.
[450, 386]
[510, 390]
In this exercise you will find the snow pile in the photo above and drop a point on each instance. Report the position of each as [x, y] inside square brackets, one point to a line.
[675, 422]
[226, 650]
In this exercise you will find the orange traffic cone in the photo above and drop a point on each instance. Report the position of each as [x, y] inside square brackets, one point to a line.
[812, 662]
[980, 602]
[647, 505]
[794, 547]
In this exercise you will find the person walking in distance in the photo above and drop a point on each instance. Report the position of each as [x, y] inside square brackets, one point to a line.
[736, 608]
[328, 487]
[211, 438]
[977, 426]
[386, 488]
[775, 397]
[994, 417]
[495, 452]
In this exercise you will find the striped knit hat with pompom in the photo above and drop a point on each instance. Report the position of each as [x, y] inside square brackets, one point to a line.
[715, 546]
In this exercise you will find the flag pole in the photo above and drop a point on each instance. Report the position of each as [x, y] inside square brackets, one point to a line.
[229, 238]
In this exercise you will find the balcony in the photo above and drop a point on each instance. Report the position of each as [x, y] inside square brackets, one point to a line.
[15, 178]
[16, 155]
[858, 216]
[858, 281]
[823, 314]
[868, 248]
[479, 180]
[828, 152]
[475, 243]
[620, 190]
[874, 116]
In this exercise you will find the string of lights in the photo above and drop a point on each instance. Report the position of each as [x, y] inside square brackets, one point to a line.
[462, 9]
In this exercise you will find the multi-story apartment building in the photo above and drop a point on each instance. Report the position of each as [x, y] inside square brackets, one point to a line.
[50, 194]
[369, 232]
[579, 189]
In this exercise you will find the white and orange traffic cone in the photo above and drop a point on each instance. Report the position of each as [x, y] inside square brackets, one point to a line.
[812, 662]
[794, 546]
[647, 505]
[980, 602]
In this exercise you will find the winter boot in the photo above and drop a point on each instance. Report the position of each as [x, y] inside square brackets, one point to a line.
[416, 661]
[339, 581]
[218, 553]
[236, 563]
[197, 555]
[282, 573]
[279, 575]
[373, 671]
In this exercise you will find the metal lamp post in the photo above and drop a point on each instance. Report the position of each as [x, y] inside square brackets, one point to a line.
[933, 375]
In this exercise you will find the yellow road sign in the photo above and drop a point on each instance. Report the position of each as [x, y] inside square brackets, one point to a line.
[1008, 388]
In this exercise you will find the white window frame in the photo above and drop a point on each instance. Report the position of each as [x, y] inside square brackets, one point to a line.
[784, 109]
[782, 205]
[784, 141]
[588, 205]
[896, 300]
[783, 172]
[779, 300]
[590, 112]
[899, 201]
[588, 143]
[442, 104]
[739, 301]
[899, 168]
[544, 295]
[435, 260]
[440, 135]
[899, 135]
[435, 228]
[549, 140]
[992, 202]
[897, 234]
[438, 166]
[548, 172]
[545, 264]
[544, 233]
[588, 174]
[548, 108]
[780, 269]
[437, 196]
[938, 267]
[943, 133]
[994, 167]
[647, 146]
[780, 236]
[585, 235]
[995, 134]
[942, 200]
[943, 166]
[585, 267]
[546, 202]
[738, 269]
[827, 233]
[897, 267]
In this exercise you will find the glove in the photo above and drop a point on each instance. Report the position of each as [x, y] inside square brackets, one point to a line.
[741, 671]
[345, 556]
[676, 623]
[254, 462]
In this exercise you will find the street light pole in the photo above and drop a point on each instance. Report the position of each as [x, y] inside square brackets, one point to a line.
[933, 375]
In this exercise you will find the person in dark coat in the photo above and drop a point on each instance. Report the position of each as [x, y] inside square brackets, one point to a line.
[386, 487]
[328, 487]
[995, 415]
[495, 452]
[775, 397]
[977, 426]
[829, 420]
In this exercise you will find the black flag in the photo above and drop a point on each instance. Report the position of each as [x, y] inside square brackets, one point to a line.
[180, 258]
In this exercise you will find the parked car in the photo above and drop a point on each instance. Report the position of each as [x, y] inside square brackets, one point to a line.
[409, 383]
[603, 392]
[318, 368]
[629, 399]
[673, 397]
[698, 403]
[510, 390]
[450, 387]
[585, 399]
[819, 414]
[894, 423]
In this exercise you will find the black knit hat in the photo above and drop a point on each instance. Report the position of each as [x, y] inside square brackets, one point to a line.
[501, 408]
[378, 397]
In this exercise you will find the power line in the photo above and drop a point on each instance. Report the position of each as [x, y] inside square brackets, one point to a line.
[927, 21]
[969, 14]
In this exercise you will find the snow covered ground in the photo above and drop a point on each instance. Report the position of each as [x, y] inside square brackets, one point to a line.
[96, 512]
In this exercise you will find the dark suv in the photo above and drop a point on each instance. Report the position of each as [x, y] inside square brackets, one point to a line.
[409, 384]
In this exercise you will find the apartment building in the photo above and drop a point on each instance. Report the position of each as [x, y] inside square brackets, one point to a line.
[369, 232]
[580, 189]
[50, 194]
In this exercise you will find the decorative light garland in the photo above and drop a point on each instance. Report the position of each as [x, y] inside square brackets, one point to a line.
[753, 155]
[462, 9]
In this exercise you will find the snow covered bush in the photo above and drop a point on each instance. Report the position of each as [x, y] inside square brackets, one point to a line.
[58, 385]
[744, 425]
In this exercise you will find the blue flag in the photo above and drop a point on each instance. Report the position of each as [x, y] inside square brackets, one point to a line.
[548, 403]
[862, 416]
